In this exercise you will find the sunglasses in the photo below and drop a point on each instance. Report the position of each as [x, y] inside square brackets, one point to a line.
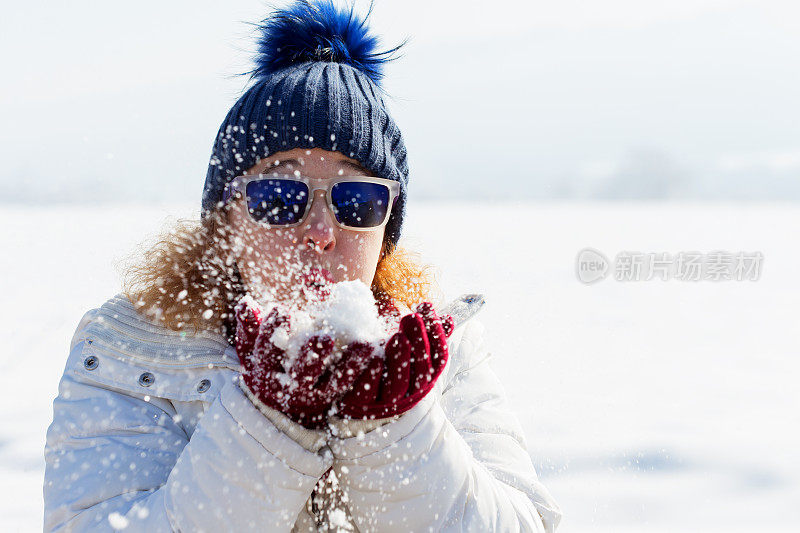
[357, 202]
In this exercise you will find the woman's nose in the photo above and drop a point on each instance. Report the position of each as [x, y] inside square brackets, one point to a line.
[318, 229]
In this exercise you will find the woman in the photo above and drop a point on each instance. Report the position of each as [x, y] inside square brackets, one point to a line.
[173, 413]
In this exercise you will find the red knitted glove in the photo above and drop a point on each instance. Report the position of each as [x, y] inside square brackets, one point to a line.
[306, 391]
[414, 359]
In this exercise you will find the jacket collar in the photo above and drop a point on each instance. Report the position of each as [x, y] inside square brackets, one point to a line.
[119, 327]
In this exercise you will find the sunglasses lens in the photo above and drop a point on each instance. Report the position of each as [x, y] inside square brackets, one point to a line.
[277, 201]
[360, 204]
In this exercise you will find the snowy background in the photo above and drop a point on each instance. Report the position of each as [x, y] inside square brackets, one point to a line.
[620, 125]
[648, 405]
[564, 99]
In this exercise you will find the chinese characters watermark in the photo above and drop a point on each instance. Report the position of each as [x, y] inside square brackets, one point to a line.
[592, 266]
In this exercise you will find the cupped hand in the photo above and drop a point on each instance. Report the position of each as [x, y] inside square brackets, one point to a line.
[414, 359]
[305, 391]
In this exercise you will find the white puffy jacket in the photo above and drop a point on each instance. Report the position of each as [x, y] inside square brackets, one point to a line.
[151, 433]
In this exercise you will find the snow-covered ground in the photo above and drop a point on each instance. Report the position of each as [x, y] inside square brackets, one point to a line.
[648, 406]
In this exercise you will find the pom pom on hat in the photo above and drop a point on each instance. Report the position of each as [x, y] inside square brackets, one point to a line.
[318, 31]
[316, 84]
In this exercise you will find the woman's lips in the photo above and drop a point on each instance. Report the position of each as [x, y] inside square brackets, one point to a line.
[324, 273]
[317, 278]
[317, 283]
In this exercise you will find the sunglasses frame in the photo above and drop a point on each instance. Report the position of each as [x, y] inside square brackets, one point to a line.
[238, 186]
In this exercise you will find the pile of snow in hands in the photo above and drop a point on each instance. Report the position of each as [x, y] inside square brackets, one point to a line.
[347, 313]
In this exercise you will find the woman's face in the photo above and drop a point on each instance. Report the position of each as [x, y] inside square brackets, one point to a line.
[272, 260]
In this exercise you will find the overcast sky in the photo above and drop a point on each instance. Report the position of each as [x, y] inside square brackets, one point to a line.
[502, 99]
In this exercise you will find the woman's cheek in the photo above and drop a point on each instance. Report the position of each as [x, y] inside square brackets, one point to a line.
[362, 255]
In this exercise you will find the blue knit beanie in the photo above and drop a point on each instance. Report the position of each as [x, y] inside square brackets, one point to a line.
[317, 85]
